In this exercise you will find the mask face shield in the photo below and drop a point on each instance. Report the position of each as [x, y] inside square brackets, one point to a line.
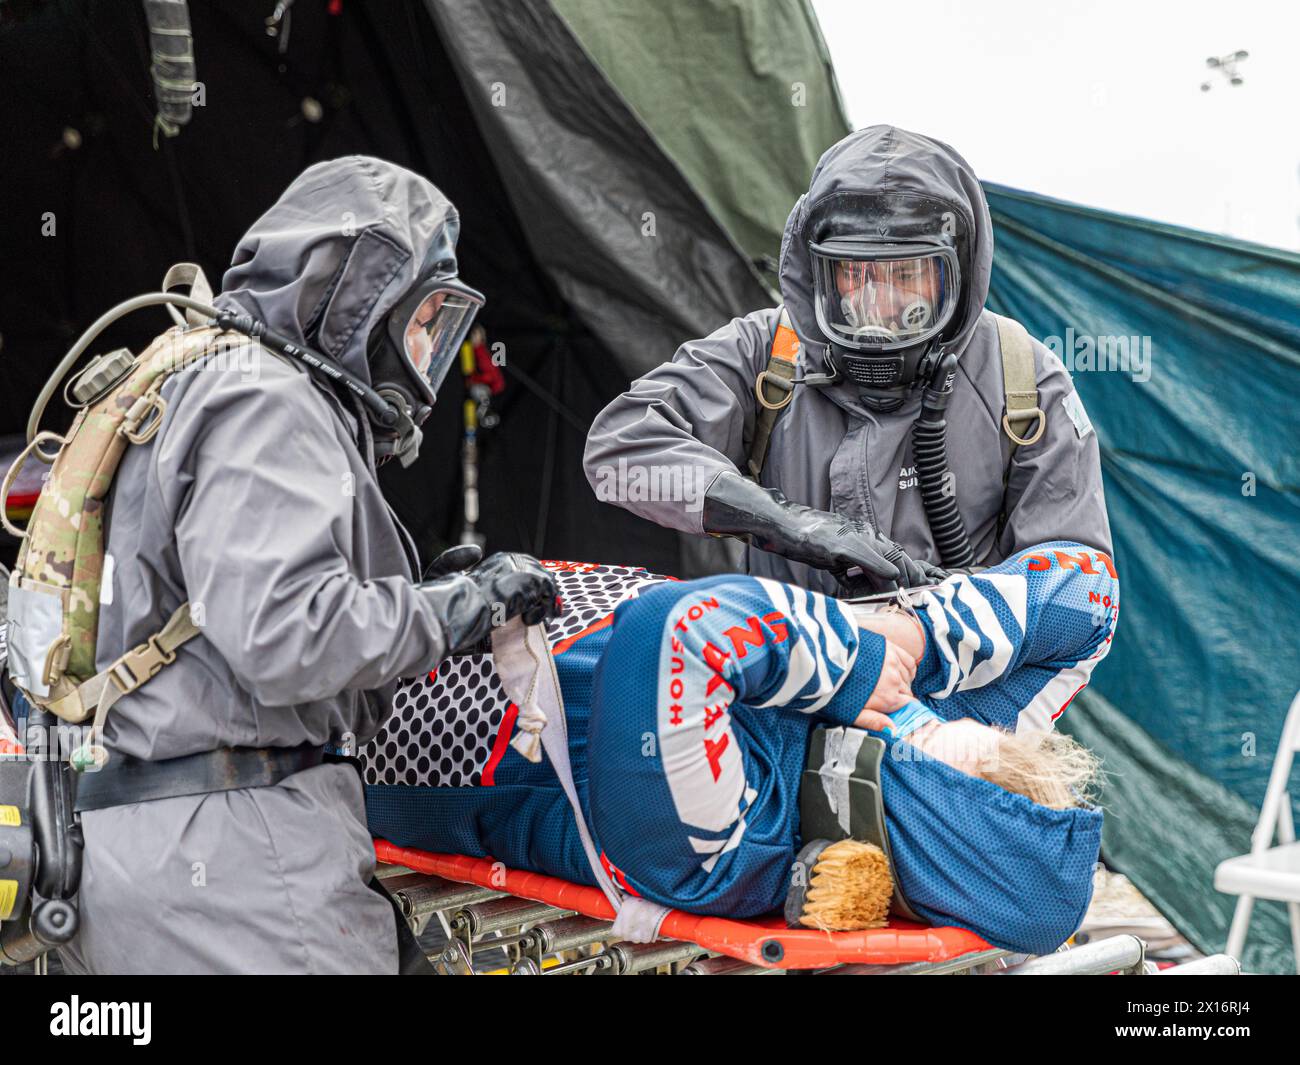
[429, 327]
[880, 297]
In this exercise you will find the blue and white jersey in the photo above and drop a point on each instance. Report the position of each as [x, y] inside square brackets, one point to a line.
[690, 706]
[1013, 646]
[732, 641]
[741, 669]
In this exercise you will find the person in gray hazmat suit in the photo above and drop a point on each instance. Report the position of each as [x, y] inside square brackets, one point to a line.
[257, 501]
[883, 416]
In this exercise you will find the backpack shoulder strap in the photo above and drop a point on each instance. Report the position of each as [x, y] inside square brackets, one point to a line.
[1020, 391]
[192, 275]
[1019, 384]
[98, 694]
[774, 388]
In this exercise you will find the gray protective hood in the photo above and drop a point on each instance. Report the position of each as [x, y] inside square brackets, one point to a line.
[874, 163]
[830, 450]
[338, 250]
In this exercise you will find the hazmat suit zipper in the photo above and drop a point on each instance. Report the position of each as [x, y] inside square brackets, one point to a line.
[866, 479]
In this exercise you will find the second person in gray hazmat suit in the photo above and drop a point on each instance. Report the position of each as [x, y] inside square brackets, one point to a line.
[884, 270]
[258, 502]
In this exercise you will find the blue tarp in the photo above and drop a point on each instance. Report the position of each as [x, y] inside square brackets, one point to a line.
[1185, 348]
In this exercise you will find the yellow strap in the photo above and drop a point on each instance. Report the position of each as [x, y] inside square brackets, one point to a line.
[781, 362]
[1020, 385]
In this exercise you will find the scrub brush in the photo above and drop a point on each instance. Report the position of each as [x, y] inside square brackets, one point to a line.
[840, 887]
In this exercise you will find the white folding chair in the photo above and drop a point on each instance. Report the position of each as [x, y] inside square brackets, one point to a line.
[1268, 872]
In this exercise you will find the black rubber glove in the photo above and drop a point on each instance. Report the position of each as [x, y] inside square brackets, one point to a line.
[454, 560]
[505, 586]
[516, 585]
[463, 610]
[919, 574]
[737, 506]
[935, 573]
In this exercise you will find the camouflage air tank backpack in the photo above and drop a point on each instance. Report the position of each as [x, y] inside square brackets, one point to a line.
[54, 589]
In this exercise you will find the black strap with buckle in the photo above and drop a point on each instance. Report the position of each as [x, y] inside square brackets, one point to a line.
[124, 781]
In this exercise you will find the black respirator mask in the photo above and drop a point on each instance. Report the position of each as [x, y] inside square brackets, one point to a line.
[887, 280]
[411, 353]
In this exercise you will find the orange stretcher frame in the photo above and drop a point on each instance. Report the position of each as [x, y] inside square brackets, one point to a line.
[762, 941]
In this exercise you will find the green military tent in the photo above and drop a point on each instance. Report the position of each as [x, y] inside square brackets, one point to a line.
[623, 170]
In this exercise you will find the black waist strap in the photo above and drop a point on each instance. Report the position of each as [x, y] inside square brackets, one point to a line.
[125, 780]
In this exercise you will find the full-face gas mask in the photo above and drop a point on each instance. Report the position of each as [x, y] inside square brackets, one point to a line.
[411, 353]
[886, 275]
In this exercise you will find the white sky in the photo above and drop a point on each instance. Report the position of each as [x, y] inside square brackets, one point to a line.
[1097, 102]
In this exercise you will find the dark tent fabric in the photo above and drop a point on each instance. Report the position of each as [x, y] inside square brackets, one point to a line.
[1185, 348]
[607, 214]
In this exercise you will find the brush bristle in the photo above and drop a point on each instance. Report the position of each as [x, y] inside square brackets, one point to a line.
[850, 888]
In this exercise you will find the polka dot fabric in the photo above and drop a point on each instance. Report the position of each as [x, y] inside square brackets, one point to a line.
[442, 729]
[590, 593]
[445, 726]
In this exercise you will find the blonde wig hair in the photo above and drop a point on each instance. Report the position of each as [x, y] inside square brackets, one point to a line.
[1049, 768]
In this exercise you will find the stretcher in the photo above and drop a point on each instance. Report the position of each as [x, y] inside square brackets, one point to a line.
[566, 917]
[552, 927]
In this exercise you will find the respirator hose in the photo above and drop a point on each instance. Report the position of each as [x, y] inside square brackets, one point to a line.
[149, 299]
[380, 411]
[377, 408]
[930, 453]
